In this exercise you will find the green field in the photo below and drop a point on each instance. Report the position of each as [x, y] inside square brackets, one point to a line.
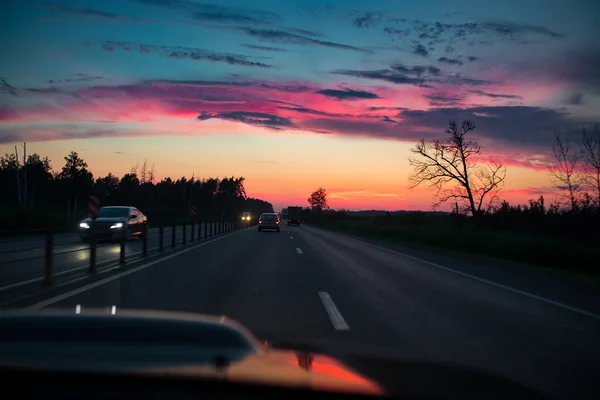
[445, 232]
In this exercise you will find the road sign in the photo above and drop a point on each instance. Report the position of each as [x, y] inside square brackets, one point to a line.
[94, 207]
[193, 211]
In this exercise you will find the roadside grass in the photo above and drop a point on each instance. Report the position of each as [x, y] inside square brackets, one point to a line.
[546, 251]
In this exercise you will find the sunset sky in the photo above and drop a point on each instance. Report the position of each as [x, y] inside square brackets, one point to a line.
[294, 95]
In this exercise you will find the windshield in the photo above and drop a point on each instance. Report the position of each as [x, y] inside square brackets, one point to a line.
[114, 212]
[407, 180]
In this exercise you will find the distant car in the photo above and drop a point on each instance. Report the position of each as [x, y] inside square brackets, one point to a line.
[114, 222]
[269, 221]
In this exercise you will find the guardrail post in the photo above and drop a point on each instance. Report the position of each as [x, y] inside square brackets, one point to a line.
[145, 241]
[184, 232]
[192, 231]
[205, 230]
[160, 238]
[212, 228]
[93, 245]
[173, 235]
[122, 253]
[48, 258]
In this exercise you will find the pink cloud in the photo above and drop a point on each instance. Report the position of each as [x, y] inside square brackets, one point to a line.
[400, 113]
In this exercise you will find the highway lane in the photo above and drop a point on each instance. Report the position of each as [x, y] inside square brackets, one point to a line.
[315, 287]
[25, 265]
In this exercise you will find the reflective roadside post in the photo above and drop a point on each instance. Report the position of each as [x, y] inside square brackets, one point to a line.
[145, 241]
[123, 243]
[192, 230]
[173, 236]
[93, 213]
[160, 237]
[192, 215]
[184, 233]
[205, 229]
[48, 258]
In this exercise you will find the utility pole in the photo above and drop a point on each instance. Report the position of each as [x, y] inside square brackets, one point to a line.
[25, 173]
[18, 178]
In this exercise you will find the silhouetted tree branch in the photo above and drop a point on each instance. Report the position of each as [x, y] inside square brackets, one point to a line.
[450, 163]
[590, 152]
[564, 172]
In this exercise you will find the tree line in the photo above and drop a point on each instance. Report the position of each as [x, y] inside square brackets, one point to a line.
[450, 167]
[35, 196]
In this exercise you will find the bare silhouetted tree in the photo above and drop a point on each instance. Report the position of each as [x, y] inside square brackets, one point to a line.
[449, 167]
[590, 155]
[564, 171]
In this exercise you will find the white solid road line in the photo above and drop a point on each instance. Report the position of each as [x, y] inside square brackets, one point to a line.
[335, 316]
[85, 288]
[299, 250]
[498, 285]
[291, 237]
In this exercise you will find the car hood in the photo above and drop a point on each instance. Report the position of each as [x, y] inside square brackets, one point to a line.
[165, 343]
[159, 343]
[105, 220]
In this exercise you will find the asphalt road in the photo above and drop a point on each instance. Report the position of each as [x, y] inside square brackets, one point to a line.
[22, 259]
[314, 287]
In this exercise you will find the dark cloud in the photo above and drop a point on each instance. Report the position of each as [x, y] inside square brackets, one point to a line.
[264, 120]
[513, 31]
[183, 53]
[84, 12]
[63, 132]
[5, 88]
[348, 94]
[367, 20]
[446, 60]
[265, 48]
[205, 12]
[305, 110]
[382, 108]
[419, 75]
[472, 58]
[470, 33]
[120, 152]
[279, 36]
[387, 119]
[576, 99]
[496, 95]
[515, 125]
[442, 100]
[304, 32]
[581, 68]
[77, 78]
[420, 50]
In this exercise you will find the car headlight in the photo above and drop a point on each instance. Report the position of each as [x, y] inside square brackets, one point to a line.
[117, 225]
[84, 225]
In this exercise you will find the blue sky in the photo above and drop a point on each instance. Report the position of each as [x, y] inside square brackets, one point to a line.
[338, 75]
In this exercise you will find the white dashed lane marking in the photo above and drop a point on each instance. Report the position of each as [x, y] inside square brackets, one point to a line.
[299, 250]
[338, 321]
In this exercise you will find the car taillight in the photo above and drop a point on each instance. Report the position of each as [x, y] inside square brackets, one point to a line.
[260, 222]
[277, 222]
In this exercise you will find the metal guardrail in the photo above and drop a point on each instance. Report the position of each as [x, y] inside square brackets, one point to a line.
[211, 229]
